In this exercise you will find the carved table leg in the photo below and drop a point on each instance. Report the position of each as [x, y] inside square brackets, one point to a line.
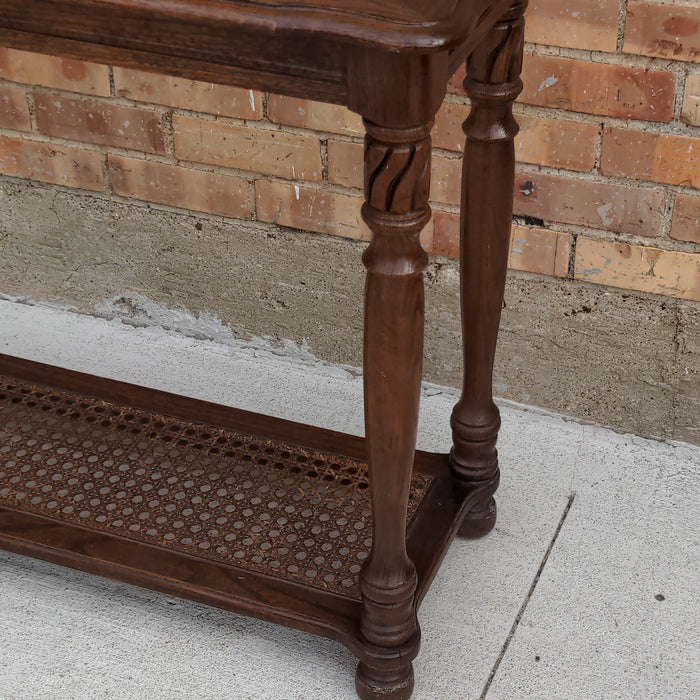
[397, 180]
[492, 84]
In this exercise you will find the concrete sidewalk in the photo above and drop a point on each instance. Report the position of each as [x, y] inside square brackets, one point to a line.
[587, 588]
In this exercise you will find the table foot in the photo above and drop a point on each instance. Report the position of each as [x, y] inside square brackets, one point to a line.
[478, 523]
[371, 685]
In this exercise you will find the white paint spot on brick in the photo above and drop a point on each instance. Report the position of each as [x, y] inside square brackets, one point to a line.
[603, 212]
[251, 99]
[296, 191]
[547, 83]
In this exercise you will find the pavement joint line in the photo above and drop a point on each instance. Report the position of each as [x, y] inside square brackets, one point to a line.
[530, 592]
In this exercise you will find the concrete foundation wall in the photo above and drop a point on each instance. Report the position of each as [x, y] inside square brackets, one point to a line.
[622, 359]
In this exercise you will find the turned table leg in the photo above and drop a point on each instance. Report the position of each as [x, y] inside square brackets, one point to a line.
[397, 179]
[492, 84]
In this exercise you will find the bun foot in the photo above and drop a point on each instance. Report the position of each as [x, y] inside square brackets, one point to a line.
[371, 687]
[478, 523]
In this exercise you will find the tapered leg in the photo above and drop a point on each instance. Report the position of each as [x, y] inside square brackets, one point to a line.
[492, 84]
[397, 179]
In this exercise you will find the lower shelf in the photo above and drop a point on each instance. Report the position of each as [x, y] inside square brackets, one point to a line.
[254, 514]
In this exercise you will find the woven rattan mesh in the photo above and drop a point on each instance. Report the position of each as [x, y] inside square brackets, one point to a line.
[267, 506]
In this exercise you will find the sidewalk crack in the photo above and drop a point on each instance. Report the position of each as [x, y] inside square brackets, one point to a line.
[533, 585]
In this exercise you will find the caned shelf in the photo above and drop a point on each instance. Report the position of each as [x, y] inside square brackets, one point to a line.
[250, 513]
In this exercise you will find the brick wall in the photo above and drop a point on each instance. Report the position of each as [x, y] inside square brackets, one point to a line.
[607, 187]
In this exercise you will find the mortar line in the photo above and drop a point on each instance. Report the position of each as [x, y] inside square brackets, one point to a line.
[530, 592]
[571, 267]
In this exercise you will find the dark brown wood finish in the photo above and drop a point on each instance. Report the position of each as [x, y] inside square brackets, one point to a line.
[302, 49]
[389, 61]
[492, 83]
[397, 185]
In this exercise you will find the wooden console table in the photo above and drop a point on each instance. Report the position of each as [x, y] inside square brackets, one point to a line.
[332, 534]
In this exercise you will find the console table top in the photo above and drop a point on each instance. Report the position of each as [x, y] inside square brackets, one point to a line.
[396, 24]
[325, 50]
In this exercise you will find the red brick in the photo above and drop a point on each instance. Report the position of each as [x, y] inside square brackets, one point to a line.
[100, 122]
[558, 143]
[685, 225]
[447, 132]
[667, 158]
[14, 113]
[667, 31]
[455, 83]
[314, 115]
[576, 24]
[594, 88]
[446, 234]
[181, 93]
[537, 250]
[54, 72]
[59, 165]
[181, 187]
[258, 150]
[598, 88]
[645, 269]
[446, 180]
[691, 100]
[345, 163]
[310, 210]
[595, 204]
